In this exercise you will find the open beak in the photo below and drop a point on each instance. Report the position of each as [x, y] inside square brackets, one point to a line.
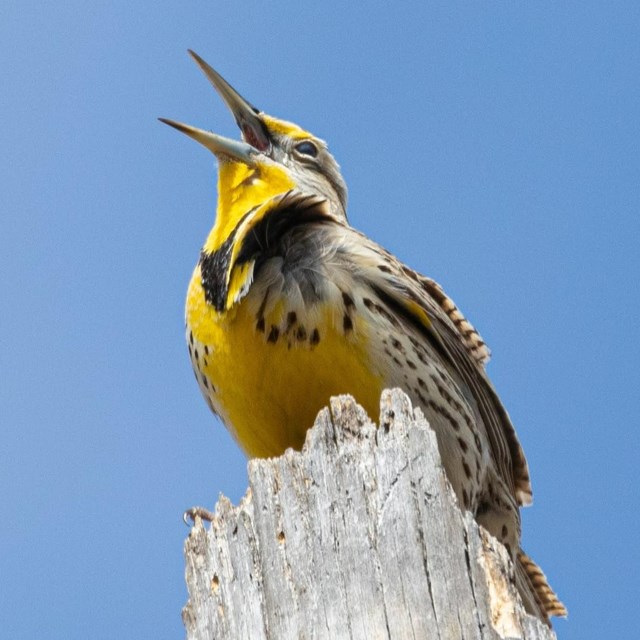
[246, 115]
[254, 133]
[222, 147]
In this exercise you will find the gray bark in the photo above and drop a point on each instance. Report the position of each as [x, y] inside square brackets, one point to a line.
[357, 536]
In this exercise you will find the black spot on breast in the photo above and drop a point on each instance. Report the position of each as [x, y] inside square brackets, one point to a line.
[348, 300]
[347, 324]
[260, 325]
[292, 318]
[315, 337]
[384, 268]
[301, 333]
[273, 334]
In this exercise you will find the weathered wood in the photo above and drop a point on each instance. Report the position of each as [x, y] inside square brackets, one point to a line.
[357, 536]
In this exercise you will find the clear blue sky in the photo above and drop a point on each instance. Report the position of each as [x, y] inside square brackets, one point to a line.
[494, 146]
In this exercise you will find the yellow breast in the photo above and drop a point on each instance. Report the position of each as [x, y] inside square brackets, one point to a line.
[268, 373]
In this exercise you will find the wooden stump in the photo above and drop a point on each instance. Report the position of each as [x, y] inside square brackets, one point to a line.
[358, 536]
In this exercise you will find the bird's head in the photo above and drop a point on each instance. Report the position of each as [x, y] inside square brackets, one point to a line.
[278, 177]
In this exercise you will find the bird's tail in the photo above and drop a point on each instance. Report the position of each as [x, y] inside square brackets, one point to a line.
[539, 598]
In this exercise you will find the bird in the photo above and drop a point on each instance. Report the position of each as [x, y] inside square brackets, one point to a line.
[289, 305]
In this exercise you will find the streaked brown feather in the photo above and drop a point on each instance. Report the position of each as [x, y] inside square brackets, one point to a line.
[467, 354]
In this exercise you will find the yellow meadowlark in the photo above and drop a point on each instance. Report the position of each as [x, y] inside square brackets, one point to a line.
[289, 305]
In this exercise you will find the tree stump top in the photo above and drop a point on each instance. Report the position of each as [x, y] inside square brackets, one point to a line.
[357, 536]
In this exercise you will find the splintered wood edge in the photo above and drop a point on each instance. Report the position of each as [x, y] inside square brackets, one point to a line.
[225, 567]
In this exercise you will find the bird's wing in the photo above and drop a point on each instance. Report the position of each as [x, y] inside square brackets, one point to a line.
[425, 306]
[469, 335]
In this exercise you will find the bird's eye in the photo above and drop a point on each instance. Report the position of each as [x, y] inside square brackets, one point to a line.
[307, 148]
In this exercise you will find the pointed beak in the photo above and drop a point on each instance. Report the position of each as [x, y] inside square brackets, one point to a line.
[246, 115]
[221, 147]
